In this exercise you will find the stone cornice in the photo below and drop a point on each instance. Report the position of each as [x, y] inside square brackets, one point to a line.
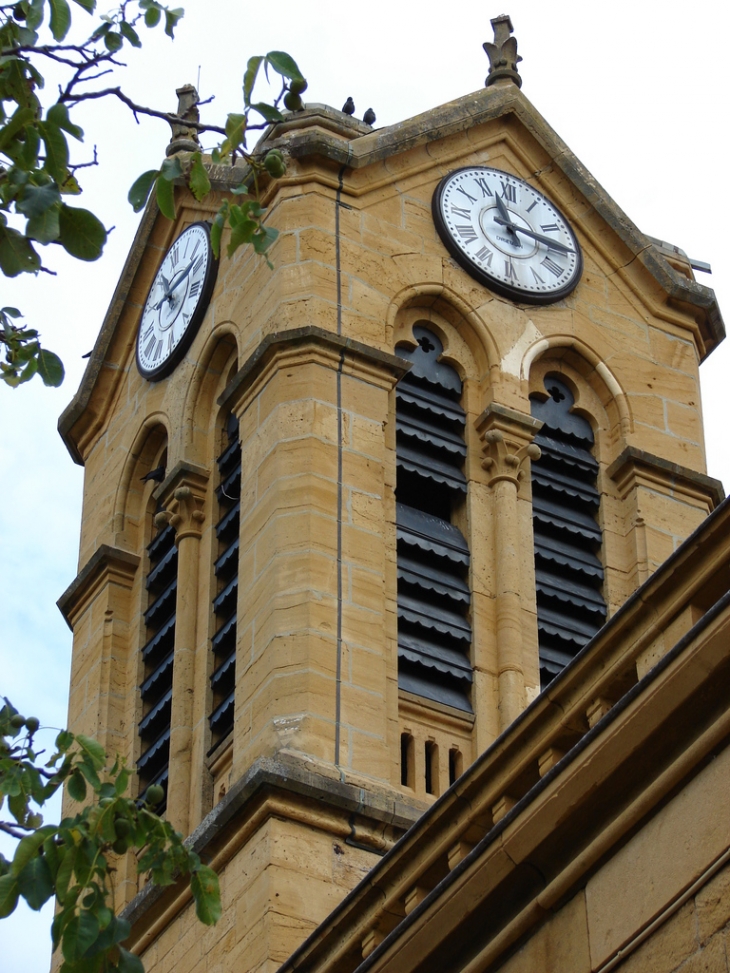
[298, 344]
[284, 786]
[636, 465]
[105, 564]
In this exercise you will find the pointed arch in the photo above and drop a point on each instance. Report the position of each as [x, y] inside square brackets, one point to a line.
[437, 304]
[211, 375]
[587, 363]
[148, 447]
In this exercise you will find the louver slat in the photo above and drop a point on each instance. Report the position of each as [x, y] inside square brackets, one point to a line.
[158, 654]
[434, 634]
[568, 569]
[223, 643]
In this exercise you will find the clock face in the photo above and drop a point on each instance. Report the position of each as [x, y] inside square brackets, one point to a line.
[507, 235]
[176, 303]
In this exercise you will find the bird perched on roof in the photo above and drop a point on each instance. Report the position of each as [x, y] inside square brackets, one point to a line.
[158, 474]
[349, 107]
[369, 117]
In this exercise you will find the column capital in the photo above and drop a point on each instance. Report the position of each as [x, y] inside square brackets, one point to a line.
[183, 495]
[507, 437]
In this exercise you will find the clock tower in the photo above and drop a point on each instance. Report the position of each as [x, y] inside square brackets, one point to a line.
[344, 521]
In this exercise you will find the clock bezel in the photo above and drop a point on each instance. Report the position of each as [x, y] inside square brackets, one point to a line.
[517, 295]
[166, 367]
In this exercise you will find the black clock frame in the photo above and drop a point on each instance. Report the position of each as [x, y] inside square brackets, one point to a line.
[497, 286]
[206, 292]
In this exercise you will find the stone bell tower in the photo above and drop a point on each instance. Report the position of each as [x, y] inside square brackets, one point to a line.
[348, 520]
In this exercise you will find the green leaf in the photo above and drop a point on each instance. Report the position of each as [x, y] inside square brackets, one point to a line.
[45, 227]
[141, 187]
[12, 312]
[88, 5]
[284, 65]
[54, 140]
[35, 883]
[68, 854]
[120, 785]
[166, 198]
[50, 368]
[128, 962]
[171, 169]
[249, 78]
[152, 16]
[58, 115]
[17, 256]
[18, 120]
[31, 147]
[116, 931]
[83, 236]
[35, 200]
[35, 12]
[93, 748]
[60, 18]
[80, 935]
[270, 113]
[28, 846]
[171, 19]
[9, 892]
[206, 892]
[76, 786]
[216, 232]
[64, 740]
[199, 181]
[130, 34]
[113, 41]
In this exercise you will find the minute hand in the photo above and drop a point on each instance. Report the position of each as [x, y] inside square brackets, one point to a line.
[172, 287]
[553, 244]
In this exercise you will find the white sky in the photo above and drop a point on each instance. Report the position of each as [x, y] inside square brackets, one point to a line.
[639, 90]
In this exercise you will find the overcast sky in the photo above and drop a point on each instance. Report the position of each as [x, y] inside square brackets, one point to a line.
[639, 90]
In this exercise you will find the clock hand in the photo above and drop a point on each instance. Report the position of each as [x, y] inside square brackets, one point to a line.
[505, 219]
[553, 244]
[172, 287]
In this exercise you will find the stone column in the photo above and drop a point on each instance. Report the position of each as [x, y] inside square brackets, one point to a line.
[507, 436]
[185, 513]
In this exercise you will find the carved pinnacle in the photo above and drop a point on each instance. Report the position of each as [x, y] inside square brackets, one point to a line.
[185, 137]
[502, 54]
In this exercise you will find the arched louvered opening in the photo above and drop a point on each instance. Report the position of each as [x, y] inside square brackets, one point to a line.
[158, 655]
[228, 492]
[434, 633]
[565, 501]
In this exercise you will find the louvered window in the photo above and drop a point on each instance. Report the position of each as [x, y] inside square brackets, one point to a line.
[565, 500]
[434, 633]
[158, 655]
[223, 680]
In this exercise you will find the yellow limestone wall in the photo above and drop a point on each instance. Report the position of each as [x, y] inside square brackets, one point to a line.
[317, 674]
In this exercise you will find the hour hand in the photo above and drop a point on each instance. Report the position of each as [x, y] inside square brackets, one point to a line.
[552, 244]
[504, 218]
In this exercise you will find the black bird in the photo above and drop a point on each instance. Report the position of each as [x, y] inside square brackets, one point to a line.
[88, 354]
[158, 474]
[349, 107]
[369, 117]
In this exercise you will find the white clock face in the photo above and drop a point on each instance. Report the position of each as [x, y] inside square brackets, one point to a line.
[507, 235]
[176, 302]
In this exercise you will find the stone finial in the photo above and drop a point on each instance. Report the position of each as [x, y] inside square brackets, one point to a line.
[503, 56]
[185, 136]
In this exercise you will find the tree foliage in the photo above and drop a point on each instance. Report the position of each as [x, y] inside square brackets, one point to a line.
[75, 859]
[39, 142]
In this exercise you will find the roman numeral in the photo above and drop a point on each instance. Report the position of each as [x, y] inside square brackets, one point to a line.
[485, 255]
[158, 350]
[199, 262]
[174, 256]
[482, 183]
[554, 268]
[532, 206]
[148, 331]
[186, 317]
[150, 346]
[550, 228]
[467, 233]
[508, 192]
[509, 270]
[458, 211]
[194, 288]
[472, 199]
[538, 278]
[169, 342]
